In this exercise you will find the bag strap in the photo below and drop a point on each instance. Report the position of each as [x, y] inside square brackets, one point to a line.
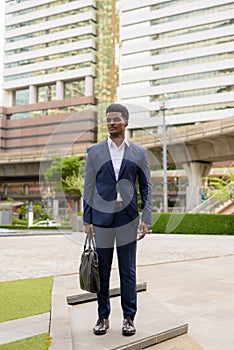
[89, 240]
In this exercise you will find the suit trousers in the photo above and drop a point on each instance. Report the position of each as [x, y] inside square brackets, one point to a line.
[124, 238]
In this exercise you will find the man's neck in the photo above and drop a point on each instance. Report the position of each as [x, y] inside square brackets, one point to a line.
[117, 140]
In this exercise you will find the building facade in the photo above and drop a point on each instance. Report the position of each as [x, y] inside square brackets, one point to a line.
[48, 88]
[180, 48]
[65, 60]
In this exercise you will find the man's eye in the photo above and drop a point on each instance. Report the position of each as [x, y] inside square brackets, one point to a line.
[114, 120]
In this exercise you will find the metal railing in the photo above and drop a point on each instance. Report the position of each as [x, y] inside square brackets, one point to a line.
[211, 204]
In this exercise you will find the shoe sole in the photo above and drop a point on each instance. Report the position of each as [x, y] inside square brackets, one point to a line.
[128, 334]
[99, 333]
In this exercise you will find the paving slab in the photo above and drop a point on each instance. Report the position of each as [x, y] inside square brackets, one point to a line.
[154, 322]
[22, 328]
[200, 291]
[183, 342]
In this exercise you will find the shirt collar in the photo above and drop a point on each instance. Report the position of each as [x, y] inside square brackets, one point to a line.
[112, 144]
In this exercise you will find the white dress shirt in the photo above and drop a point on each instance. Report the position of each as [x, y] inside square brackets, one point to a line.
[117, 154]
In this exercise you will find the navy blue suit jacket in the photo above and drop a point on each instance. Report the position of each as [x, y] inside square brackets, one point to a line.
[101, 187]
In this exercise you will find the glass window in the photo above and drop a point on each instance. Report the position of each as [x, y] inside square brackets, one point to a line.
[20, 115]
[35, 8]
[193, 13]
[191, 93]
[53, 112]
[193, 45]
[74, 88]
[48, 71]
[199, 108]
[178, 79]
[53, 43]
[46, 93]
[195, 60]
[193, 29]
[48, 18]
[21, 97]
[49, 31]
[49, 58]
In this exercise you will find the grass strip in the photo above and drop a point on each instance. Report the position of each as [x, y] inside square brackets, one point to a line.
[23, 298]
[39, 342]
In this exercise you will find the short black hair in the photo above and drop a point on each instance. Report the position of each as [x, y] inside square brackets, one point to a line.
[116, 107]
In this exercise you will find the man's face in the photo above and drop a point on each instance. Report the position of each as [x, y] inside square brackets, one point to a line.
[116, 124]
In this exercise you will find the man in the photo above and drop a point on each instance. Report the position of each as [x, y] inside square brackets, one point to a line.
[113, 169]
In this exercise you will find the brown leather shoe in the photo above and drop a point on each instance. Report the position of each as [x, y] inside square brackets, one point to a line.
[128, 327]
[101, 326]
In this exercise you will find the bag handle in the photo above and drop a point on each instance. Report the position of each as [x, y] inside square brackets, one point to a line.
[91, 242]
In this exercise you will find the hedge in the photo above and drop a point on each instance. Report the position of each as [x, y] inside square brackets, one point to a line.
[187, 223]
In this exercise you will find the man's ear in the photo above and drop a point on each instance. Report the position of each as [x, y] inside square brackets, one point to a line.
[125, 123]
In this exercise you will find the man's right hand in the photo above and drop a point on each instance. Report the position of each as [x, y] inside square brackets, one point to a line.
[89, 230]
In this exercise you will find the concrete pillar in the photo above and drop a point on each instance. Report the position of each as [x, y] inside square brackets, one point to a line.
[89, 86]
[128, 133]
[55, 209]
[32, 94]
[60, 90]
[8, 98]
[196, 172]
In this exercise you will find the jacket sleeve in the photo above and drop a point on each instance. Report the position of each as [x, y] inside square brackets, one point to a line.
[145, 188]
[89, 186]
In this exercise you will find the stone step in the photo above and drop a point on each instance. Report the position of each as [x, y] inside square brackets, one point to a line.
[154, 322]
[88, 297]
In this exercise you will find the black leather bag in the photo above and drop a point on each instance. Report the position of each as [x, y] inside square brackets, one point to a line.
[89, 272]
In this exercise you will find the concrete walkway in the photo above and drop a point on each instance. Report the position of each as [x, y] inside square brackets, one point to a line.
[192, 276]
[27, 327]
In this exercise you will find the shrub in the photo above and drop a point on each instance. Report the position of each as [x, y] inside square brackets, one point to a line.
[187, 223]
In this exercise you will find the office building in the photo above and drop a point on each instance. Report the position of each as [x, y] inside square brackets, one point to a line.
[48, 100]
[180, 48]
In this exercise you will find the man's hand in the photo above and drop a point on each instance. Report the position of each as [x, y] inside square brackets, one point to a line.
[89, 230]
[144, 229]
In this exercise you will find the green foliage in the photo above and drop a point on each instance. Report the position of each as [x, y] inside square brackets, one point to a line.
[23, 298]
[66, 174]
[222, 188]
[22, 210]
[187, 223]
[75, 183]
[39, 342]
[19, 222]
[54, 173]
[38, 211]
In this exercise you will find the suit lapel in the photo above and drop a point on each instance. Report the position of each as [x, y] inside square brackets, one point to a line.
[107, 156]
[126, 156]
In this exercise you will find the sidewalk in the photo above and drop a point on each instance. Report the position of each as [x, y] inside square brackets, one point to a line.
[199, 291]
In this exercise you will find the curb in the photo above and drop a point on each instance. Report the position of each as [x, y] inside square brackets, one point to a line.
[60, 330]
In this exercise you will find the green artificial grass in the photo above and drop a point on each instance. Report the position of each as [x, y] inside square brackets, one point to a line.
[23, 298]
[39, 342]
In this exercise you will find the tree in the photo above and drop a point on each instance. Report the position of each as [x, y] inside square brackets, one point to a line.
[66, 174]
[75, 183]
[38, 211]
